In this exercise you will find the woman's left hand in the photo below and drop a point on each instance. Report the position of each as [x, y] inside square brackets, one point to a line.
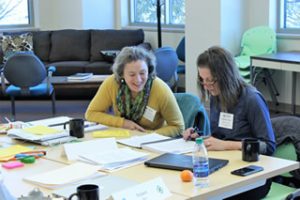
[214, 144]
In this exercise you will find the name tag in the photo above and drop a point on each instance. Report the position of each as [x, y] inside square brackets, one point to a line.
[153, 189]
[226, 120]
[149, 113]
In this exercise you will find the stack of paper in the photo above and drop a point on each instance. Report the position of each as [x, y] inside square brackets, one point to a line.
[104, 153]
[177, 146]
[80, 76]
[64, 176]
[37, 133]
[138, 141]
[115, 159]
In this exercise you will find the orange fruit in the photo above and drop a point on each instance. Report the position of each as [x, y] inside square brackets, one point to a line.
[186, 175]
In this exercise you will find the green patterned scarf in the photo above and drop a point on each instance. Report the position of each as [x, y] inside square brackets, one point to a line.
[133, 110]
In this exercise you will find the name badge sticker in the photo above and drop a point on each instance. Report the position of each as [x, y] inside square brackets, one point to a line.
[149, 113]
[226, 120]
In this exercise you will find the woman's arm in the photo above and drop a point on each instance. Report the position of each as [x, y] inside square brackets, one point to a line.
[100, 104]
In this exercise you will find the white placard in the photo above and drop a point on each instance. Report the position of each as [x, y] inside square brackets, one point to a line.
[153, 189]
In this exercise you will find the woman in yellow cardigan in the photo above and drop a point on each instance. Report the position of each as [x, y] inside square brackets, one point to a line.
[140, 100]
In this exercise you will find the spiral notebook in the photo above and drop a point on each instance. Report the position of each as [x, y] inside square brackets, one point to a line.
[182, 162]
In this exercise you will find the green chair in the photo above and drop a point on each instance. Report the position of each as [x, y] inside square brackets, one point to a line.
[257, 41]
[279, 191]
[286, 150]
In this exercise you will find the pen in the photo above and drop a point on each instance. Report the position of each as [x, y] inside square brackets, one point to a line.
[34, 152]
[6, 119]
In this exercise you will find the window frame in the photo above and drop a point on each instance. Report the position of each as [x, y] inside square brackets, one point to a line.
[30, 11]
[164, 23]
[280, 20]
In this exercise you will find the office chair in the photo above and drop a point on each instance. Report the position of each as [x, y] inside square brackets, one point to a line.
[287, 130]
[26, 76]
[166, 68]
[193, 112]
[257, 41]
[180, 51]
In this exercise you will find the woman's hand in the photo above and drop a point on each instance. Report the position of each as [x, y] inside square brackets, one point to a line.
[128, 124]
[215, 144]
[189, 134]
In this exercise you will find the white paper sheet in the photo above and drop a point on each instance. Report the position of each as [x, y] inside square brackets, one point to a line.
[66, 175]
[73, 150]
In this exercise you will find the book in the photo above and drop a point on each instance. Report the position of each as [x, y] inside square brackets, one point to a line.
[80, 76]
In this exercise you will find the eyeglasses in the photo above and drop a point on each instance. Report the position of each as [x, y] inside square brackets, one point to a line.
[208, 82]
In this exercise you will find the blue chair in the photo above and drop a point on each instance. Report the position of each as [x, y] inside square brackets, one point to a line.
[166, 68]
[26, 76]
[180, 50]
[193, 112]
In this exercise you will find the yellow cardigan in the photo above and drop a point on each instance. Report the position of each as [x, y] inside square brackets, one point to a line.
[168, 119]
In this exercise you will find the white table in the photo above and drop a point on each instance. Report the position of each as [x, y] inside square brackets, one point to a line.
[287, 61]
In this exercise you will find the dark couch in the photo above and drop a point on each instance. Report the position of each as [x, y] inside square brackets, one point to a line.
[72, 51]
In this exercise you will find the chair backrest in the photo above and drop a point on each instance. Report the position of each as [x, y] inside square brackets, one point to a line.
[287, 134]
[258, 40]
[193, 111]
[180, 50]
[24, 70]
[167, 61]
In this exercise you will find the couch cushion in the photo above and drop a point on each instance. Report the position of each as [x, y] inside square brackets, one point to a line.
[41, 44]
[15, 43]
[67, 68]
[70, 45]
[113, 40]
[99, 67]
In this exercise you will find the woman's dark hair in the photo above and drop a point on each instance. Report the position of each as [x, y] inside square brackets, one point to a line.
[223, 69]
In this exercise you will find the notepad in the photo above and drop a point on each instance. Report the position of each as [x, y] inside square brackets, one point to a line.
[41, 130]
[111, 133]
[8, 152]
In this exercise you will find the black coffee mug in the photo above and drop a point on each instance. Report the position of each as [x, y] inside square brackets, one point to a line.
[250, 149]
[76, 127]
[86, 192]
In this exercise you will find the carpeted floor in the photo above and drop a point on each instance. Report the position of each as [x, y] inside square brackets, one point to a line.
[33, 110]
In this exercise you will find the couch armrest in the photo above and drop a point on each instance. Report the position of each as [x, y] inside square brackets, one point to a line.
[146, 45]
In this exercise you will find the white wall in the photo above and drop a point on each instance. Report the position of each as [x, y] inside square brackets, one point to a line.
[215, 22]
[222, 22]
[75, 14]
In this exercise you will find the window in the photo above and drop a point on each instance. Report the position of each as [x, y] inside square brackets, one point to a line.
[288, 16]
[144, 12]
[15, 13]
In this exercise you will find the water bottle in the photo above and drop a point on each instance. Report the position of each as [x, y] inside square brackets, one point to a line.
[200, 164]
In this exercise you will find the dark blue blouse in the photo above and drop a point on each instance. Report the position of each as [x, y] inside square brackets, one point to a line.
[251, 119]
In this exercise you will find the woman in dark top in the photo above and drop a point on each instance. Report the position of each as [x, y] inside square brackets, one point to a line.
[237, 109]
